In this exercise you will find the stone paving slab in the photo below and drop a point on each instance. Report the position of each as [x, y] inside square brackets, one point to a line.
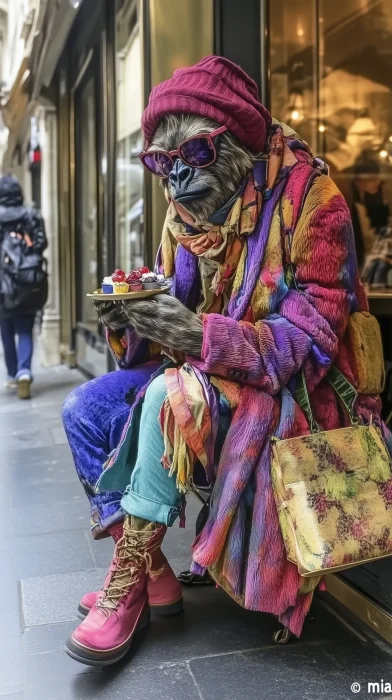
[167, 683]
[39, 520]
[44, 494]
[11, 666]
[300, 672]
[26, 439]
[48, 600]
[38, 463]
[58, 552]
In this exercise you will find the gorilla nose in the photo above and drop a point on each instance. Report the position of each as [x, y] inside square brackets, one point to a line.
[181, 175]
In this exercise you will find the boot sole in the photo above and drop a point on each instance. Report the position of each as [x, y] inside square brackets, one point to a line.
[23, 389]
[168, 609]
[156, 610]
[82, 612]
[92, 657]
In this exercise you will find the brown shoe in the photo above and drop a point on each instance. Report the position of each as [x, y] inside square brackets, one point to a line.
[23, 388]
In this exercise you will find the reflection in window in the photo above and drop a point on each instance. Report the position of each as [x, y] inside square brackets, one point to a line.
[88, 201]
[130, 205]
[331, 80]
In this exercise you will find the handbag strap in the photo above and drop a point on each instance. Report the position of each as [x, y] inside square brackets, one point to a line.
[342, 387]
[302, 397]
[344, 390]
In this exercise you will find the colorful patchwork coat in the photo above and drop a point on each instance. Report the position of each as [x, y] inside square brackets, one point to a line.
[252, 353]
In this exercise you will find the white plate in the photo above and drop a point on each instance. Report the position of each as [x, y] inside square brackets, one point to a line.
[128, 295]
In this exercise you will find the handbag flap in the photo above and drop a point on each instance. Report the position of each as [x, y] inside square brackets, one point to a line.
[334, 496]
[333, 456]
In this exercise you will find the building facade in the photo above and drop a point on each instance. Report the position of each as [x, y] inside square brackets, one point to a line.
[29, 130]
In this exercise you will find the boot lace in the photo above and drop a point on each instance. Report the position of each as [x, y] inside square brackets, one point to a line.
[132, 557]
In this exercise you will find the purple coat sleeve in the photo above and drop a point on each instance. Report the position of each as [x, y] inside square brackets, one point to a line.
[127, 349]
[309, 322]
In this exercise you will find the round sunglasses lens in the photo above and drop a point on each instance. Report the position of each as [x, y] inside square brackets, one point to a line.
[158, 163]
[197, 152]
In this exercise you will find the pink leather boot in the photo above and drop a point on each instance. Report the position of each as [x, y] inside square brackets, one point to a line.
[122, 607]
[89, 599]
[164, 591]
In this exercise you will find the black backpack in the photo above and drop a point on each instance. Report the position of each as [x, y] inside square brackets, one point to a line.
[23, 276]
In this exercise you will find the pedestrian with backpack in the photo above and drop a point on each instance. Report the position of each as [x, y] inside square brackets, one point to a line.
[23, 282]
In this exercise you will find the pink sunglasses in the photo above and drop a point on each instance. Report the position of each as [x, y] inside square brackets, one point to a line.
[197, 151]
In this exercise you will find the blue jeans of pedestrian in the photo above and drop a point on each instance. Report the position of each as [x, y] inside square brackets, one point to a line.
[94, 416]
[18, 359]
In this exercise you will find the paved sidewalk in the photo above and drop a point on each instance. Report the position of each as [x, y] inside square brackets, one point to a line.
[48, 560]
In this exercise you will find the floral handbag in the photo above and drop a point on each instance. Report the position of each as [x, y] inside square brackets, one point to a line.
[333, 490]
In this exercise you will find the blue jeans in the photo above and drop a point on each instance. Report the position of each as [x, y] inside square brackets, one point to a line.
[94, 416]
[152, 494]
[18, 361]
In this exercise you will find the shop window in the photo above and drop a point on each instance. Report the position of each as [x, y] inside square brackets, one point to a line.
[88, 222]
[331, 80]
[129, 186]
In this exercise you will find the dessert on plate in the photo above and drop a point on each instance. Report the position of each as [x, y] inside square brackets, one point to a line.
[149, 281]
[107, 285]
[139, 280]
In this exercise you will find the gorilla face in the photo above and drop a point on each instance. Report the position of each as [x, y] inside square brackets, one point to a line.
[202, 191]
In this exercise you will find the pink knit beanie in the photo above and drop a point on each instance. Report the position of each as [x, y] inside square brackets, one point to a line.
[215, 88]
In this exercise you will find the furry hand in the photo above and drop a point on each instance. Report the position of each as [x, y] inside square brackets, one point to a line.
[111, 314]
[164, 320]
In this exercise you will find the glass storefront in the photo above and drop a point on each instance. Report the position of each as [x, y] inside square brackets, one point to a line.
[87, 204]
[130, 238]
[331, 80]
[91, 178]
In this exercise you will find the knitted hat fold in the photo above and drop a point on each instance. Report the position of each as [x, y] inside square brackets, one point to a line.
[217, 89]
